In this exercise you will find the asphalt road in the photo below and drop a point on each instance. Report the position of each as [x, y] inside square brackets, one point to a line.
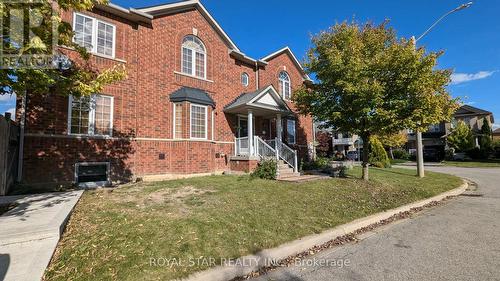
[457, 241]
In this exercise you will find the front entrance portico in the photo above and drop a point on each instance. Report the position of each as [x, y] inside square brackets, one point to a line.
[263, 104]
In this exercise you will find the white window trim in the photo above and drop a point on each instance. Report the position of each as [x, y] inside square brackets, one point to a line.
[191, 121]
[95, 23]
[193, 62]
[213, 123]
[283, 86]
[91, 124]
[247, 77]
[174, 106]
[294, 131]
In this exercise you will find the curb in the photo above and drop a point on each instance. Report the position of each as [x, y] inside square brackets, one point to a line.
[248, 264]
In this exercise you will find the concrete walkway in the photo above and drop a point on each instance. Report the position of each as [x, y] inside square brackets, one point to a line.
[29, 233]
[457, 241]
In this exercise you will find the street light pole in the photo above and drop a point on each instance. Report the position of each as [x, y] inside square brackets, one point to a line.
[420, 147]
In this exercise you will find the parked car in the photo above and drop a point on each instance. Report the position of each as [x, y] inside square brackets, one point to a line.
[353, 155]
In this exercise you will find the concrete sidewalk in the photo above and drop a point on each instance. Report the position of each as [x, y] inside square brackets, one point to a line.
[29, 233]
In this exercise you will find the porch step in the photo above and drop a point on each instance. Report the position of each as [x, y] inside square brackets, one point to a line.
[288, 175]
[283, 166]
[285, 171]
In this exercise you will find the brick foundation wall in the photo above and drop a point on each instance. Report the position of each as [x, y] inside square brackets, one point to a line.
[246, 166]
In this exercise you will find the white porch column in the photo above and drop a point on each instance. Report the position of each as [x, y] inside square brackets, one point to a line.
[279, 130]
[250, 133]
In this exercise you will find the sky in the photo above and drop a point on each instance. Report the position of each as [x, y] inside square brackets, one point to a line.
[469, 38]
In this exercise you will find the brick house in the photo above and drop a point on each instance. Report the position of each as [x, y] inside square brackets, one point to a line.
[192, 103]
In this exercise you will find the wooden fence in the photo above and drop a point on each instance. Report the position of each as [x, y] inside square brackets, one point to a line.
[9, 150]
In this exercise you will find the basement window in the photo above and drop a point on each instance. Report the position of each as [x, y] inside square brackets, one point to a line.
[92, 174]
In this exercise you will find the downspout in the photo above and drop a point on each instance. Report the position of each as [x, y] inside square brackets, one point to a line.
[21, 138]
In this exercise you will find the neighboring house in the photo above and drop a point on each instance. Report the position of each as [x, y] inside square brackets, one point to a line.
[192, 103]
[496, 134]
[434, 140]
[345, 142]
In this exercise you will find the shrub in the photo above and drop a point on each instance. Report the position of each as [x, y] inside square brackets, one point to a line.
[321, 163]
[477, 153]
[378, 156]
[401, 154]
[266, 169]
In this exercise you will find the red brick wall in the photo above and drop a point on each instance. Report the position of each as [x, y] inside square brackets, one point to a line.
[143, 113]
[246, 166]
[304, 124]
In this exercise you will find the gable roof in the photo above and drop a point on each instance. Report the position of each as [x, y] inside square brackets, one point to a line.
[470, 110]
[252, 99]
[192, 95]
[287, 50]
[497, 131]
[172, 8]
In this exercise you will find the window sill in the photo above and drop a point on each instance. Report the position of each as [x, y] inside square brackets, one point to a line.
[192, 76]
[95, 54]
[88, 136]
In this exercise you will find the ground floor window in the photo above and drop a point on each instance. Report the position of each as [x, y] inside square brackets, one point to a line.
[177, 120]
[290, 131]
[198, 121]
[91, 115]
[92, 172]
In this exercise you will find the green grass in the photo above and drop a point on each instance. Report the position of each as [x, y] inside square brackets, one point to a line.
[113, 233]
[474, 164]
[398, 161]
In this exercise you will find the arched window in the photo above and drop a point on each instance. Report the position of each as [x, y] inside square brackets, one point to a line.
[245, 79]
[194, 58]
[285, 88]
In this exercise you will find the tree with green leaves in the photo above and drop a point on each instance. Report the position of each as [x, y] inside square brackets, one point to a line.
[378, 156]
[369, 82]
[79, 78]
[393, 141]
[461, 137]
[486, 138]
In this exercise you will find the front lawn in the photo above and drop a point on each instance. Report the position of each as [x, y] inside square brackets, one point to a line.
[114, 234]
[474, 164]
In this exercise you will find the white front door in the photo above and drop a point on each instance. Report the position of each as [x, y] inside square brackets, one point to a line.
[243, 144]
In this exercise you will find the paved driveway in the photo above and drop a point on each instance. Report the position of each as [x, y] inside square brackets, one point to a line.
[457, 241]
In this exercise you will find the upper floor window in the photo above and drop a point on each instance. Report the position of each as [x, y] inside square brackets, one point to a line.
[90, 115]
[245, 79]
[194, 58]
[284, 85]
[95, 35]
[435, 128]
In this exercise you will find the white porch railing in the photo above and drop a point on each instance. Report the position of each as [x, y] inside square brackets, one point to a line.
[287, 154]
[267, 149]
[348, 141]
[263, 150]
[241, 146]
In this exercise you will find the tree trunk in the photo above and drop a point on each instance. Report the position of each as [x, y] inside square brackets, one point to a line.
[366, 152]
[390, 152]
